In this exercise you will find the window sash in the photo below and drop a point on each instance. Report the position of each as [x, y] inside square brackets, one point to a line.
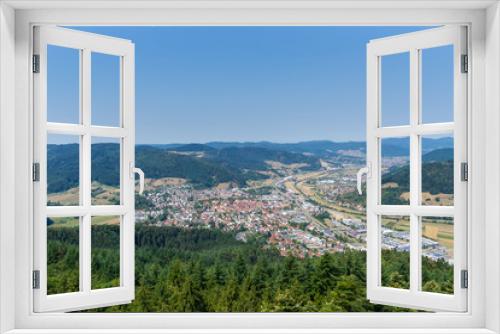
[413, 43]
[86, 43]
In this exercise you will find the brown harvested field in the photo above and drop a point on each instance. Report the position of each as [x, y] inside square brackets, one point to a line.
[101, 195]
[430, 199]
[291, 186]
[75, 221]
[65, 222]
[151, 184]
[279, 165]
[106, 220]
[104, 194]
[435, 229]
[69, 197]
[439, 231]
[390, 185]
[397, 223]
[305, 188]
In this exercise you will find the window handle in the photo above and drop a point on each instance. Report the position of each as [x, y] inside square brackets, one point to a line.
[365, 170]
[141, 179]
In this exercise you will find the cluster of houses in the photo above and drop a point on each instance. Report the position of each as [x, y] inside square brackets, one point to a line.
[285, 218]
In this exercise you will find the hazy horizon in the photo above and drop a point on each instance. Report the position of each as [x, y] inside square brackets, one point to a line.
[104, 140]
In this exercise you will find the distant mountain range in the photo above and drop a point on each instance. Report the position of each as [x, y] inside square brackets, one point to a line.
[390, 146]
[215, 162]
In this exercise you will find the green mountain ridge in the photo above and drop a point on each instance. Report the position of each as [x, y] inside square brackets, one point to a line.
[437, 173]
[206, 166]
[214, 166]
[158, 163]
[437, 178]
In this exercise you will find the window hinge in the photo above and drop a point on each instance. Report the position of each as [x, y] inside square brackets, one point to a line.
[464, 280]
[36, 172]
[36, 279]
[464, 171]
[36, 63]
[465, 64]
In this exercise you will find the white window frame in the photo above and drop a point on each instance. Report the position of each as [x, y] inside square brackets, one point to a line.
[85, 43]
[413, 44]
[16, 21]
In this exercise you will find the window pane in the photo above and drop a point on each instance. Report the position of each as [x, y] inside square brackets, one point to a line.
[63, 239]
[395, 170]
[437, 170]
[105, 171]
[437, 84]
[63, 170]
[63, 84]
[105, 89]
[395, 251]
[437, 254]
[395, 89]
[105, 252]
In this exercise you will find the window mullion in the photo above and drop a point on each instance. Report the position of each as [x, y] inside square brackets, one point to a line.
[85, 168]
[414, 171]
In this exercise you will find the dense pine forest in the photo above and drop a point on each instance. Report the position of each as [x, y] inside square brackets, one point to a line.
[203, 270]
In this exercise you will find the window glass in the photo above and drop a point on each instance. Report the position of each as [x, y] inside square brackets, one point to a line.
[395, 250]
[437, 170]
[395, 171]
[63, 84]
[63, 242]
[105, 251]
[106, 155]
[437, 254]
[106, 93]
[63, 170]
[437, 84]
[395, 89]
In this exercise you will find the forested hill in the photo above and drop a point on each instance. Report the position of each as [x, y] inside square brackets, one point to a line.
[209, 164]
[255, 158]
[437, 173]
[159, 163]
[442, 154]
[200, 164]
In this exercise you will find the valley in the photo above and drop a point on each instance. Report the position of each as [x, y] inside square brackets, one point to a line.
[301, 202]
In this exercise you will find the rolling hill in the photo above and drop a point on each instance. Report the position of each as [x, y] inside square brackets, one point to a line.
[437, 173]
[254, 158]
[441, 154]
[212, 163]
[233, 164]
[437, 178]
[157, 163]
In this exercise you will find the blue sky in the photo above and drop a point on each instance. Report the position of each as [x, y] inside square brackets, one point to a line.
[281, 84]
